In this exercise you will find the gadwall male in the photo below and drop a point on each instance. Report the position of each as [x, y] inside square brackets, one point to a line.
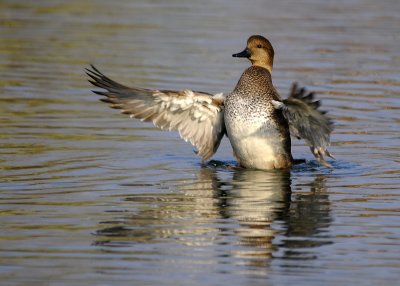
[254, 117]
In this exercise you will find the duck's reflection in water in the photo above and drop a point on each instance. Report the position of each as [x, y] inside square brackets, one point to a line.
[244, 214]
[256, 200]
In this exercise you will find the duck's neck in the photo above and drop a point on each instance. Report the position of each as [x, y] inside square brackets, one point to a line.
[266, 65]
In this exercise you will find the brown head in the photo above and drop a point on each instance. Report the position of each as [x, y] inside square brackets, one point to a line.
[259, 51]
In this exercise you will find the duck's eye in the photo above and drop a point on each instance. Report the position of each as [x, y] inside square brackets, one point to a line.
[259, 46]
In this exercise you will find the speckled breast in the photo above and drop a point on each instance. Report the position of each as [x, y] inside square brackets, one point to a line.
[258, 133]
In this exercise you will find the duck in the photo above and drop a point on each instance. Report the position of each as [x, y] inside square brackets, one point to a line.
[257, 121]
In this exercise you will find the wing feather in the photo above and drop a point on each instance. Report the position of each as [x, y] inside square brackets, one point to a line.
[197, 116]
[307, 122]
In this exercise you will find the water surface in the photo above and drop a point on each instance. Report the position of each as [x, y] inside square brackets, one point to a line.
[88, 196]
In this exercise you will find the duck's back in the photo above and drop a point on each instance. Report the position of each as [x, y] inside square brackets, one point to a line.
[259, 134]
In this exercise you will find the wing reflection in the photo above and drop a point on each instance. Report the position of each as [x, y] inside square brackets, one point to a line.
[306, 221]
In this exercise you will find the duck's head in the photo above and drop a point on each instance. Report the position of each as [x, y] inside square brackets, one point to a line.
[259, 51]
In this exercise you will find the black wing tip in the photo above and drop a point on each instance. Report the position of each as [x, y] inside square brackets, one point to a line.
[94, 74]
[98, 92]
[315, 104]
[95, 78]
[98, 79]
[308, 98]
[301, 93]
[93, 69]
[106, 100]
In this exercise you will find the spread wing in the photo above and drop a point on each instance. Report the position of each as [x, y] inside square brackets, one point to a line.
[307, 122]
[198, 116]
